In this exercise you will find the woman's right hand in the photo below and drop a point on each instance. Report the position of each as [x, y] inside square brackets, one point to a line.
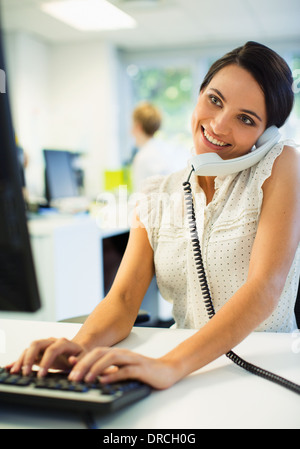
[48, 353]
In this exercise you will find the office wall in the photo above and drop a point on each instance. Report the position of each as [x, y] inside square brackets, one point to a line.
[27, 66]
[64, 97]
[83, 106]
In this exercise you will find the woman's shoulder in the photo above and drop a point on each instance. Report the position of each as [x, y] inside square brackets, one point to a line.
[277, 161]
[291, 153]
[286, 168]
[288, 162]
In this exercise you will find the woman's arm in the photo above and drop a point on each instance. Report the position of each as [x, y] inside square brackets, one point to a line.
[112, 319]
[277, 239]
[273, 252]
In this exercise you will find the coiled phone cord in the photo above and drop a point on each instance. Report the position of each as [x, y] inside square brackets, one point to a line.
[207, 296]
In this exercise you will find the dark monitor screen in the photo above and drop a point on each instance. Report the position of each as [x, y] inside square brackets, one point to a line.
[60, 177]
[18, 284]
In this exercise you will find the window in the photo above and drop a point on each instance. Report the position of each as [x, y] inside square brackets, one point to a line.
[295, 117]
[170, 89]
[291, 129]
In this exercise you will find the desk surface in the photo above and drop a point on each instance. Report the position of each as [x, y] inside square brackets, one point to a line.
[221, 395]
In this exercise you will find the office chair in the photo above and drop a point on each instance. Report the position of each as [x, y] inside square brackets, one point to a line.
[297, 307]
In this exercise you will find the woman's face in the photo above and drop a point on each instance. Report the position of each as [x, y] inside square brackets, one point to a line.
[230, 114]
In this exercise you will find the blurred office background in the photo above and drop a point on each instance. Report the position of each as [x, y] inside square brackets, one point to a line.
[74, 89]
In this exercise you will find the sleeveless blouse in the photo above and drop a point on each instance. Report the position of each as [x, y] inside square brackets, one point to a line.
[227, 228]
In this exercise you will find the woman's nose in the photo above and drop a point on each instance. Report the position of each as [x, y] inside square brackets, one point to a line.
[220, 124]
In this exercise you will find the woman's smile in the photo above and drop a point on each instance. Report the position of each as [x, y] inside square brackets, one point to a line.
[211, 140]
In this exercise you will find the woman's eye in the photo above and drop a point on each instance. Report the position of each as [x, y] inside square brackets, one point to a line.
[247, 120]
[215, 100]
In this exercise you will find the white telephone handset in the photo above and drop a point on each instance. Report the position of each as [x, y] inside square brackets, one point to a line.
[211, 164]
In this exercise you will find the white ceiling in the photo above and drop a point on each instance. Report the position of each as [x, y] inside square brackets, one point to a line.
[171, 23]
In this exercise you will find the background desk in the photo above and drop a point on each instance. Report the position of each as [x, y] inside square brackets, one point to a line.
[76, 262]
[221, 395]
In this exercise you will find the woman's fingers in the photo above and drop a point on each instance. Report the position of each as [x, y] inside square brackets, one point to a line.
[99, 361]
[83, 366]
[30, 356]
[111, 364]
[48, 353]
[15, 367]
[114, 365]
[56, 355]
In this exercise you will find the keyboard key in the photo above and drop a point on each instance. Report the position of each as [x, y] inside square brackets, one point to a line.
[24, 381]
[3, 375]
[116, 395]
[12, 379]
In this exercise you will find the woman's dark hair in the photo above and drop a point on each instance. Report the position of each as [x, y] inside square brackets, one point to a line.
[270, 71]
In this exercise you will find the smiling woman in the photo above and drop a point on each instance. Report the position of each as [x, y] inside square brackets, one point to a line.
[248, 229]
[229, 117]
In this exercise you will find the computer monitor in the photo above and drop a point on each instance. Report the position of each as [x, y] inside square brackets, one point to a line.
[61, 179]
[18, 282]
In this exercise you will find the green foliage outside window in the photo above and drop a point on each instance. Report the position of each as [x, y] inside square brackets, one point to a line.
[171, 90]
[296, 74]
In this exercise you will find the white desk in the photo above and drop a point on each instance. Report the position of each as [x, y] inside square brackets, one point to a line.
[220, 395]
[69, 257]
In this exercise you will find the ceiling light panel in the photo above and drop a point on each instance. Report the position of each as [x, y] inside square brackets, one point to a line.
[89, 15]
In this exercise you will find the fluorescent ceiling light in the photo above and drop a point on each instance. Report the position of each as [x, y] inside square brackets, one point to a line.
[89, 15]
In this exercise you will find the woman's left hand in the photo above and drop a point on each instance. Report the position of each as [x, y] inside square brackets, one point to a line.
[113, 365]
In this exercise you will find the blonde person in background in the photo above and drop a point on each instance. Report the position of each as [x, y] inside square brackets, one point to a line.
[154, 156]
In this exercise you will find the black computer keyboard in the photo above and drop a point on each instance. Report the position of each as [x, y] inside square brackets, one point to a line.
[56, 391]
